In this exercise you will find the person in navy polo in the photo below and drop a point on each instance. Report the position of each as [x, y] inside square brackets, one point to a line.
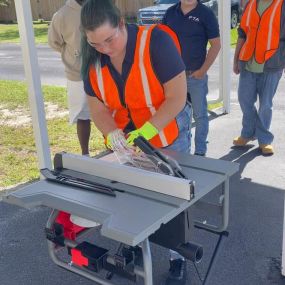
[196, 25]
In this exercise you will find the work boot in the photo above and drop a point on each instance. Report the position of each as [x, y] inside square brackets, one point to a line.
[177, 272]
[266, 149]
[241, 141]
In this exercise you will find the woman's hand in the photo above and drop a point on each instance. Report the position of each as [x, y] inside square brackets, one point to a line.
[148, 131]
[116, 141]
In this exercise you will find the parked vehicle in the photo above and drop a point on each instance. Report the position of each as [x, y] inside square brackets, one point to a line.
[154, 14]
[235, 10]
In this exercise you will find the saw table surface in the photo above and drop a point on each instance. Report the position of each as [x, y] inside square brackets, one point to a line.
[135, 213]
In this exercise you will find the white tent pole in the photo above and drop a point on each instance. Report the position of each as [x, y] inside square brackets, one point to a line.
[225, 57]
[25, 24]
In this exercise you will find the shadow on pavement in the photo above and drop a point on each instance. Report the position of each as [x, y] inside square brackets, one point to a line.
[252, 252]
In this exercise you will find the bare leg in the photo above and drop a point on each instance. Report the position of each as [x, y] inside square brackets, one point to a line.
[83, 133]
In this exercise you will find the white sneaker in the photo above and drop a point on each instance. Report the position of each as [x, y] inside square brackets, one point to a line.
[83, 222]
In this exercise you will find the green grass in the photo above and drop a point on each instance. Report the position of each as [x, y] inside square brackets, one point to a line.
[14, 94]
[18, 159]
[10, 34]
[18, 162]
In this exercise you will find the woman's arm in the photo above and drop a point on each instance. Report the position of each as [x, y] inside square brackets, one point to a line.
[175, 91]
[101, 116]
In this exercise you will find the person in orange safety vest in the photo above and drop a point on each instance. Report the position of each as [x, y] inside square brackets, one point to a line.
[259, 59]
[135, 80]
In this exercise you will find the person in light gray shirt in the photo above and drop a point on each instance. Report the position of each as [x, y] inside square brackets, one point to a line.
[64, 36]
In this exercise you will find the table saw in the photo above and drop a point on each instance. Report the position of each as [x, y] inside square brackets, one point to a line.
[139, 206]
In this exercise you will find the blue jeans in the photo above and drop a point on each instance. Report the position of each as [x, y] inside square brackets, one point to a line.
[198, 90]
[183, 141]
[256, 123]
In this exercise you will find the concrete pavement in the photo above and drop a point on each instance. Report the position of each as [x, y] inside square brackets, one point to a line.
[50, 65]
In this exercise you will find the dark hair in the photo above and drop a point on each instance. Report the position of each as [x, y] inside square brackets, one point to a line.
[95, 13]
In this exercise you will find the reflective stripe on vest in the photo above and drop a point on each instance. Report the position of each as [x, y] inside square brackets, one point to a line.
[141, 105]
[262, 33]
[101, 83]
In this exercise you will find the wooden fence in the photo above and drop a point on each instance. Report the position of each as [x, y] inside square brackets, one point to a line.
[44, 9]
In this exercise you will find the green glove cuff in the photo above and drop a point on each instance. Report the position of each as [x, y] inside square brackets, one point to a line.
[109, 141]
[148, 130]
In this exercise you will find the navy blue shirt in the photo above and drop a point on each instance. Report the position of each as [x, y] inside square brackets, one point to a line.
[165, 58]
[193, 29]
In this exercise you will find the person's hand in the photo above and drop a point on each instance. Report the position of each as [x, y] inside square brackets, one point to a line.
[198, 74]
[116, 140]
[236, 68]
[148, 131]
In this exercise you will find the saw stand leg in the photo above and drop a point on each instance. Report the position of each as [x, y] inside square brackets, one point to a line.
[147, 262]
[146, 273]
[223, 207]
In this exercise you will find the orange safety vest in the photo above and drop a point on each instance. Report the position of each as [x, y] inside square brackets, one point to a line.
[262, 33]
[143, 93]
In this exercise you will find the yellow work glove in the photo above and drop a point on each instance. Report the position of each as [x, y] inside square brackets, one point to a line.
[116, 140]
[148, 131]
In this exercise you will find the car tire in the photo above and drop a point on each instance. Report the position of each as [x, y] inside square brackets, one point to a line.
[234, 18]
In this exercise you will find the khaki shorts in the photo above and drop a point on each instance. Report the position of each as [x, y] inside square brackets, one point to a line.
[77, 102]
